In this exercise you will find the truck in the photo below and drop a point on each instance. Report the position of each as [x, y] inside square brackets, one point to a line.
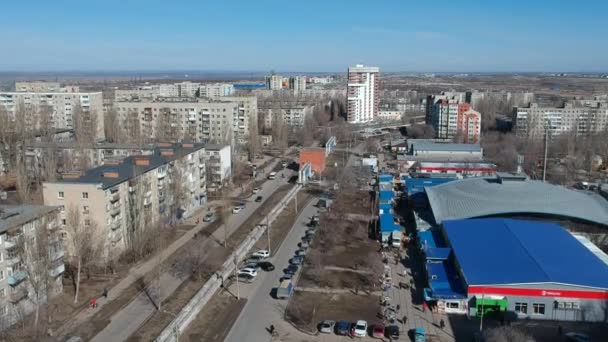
[396, 239]
[284, 289]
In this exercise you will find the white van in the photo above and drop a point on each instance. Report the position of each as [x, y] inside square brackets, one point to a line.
[272, 175]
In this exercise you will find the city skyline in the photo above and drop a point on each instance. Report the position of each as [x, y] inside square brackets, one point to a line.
[305, 37]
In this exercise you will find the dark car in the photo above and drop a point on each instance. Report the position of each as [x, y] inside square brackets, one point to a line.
[392, 332]
[297, 260]
[291, 269]
[343, 328]
[307, 238]
[258, 199]
[266, 266]
[242, 205]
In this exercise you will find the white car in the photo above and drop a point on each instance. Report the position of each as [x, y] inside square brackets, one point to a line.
[255, 190]
[361, 328]
[250, 271]
[262, 253]
[236, 210]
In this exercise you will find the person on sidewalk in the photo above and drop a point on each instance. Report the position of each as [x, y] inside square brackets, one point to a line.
[423, 306]
[442, 324]
[105, 292]
[94, 302]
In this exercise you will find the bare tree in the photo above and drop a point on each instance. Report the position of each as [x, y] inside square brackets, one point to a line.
[81, 248]
[506, 334]
[177, 191]
[417, 131]
[253, 146]
[85, 124]
[138, 217]
[280, 132]
[112, 126]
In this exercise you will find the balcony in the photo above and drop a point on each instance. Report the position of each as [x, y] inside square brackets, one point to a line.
[114, 197]
[58, 270]
[10, 243]
[17, 295]
[57, 255]
[17, 278]
[115, 224]
[53, 225]
[11, 260]
[116, 236]
[115, 211]
[131, 189]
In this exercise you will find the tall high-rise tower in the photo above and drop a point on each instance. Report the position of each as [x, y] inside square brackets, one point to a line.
[363, 93]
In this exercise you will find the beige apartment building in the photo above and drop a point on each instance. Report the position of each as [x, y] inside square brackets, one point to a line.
[125, 195]
[533, 120]
[223, 120]
[18, 225]
[62, 106]
[293, 115]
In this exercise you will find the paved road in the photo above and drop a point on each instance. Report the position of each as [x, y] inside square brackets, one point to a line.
[261, 309]
[126, 321]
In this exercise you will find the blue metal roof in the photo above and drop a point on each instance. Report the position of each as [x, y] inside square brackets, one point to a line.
[386, 208]
[387, 223]
[249, 85]
[443, 281]
[385, 178]
[416, 185]
[504, 251]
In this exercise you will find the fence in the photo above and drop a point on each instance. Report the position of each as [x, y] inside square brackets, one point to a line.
[200, 299]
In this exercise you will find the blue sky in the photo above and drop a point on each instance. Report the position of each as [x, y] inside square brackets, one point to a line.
[304, 35]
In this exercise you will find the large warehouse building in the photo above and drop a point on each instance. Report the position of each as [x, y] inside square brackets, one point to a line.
[533, 269]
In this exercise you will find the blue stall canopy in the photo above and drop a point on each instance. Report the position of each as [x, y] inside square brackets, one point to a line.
[387, 223]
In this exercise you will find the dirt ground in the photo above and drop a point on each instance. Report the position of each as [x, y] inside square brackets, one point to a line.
[182, 261]
[306, 309]
[224, 307]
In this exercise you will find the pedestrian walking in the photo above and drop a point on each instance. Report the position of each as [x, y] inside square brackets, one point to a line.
[271, 329]
[94, 303]
[105, 292]
[423, 306]
[441, 324]
[404, 319]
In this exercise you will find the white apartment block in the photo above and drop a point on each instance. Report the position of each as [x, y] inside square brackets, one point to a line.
[61, 104]
[219, 166]
[137, 191]
[37, 87]
[168, 90]
[297, 83]
[389, 115]
[221, 120]
[293, 115]
[362, 93]
[25, 224]
[534, 120]
[274, 82]
[187, 88]
[213, 90]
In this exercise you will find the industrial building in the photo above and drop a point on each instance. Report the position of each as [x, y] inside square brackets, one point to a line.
[442, 150]
[534, 270]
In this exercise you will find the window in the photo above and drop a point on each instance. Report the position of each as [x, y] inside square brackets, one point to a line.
[521, 308]
[1, 274]
[2, 293]
[63, 222]
[85, 195]
[538, 309]
[85, 209]
[62, 208]
[452, 305]
[60, 195]
[87, 222]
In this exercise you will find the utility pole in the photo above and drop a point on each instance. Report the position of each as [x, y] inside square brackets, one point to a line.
[236, 276]
[268, 234]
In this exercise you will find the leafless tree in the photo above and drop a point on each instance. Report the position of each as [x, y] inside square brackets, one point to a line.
[417, 131]
[132, 129]
[112, 126]
[80, 243]
[253, 146]
[85, 125]
[280, 131]
[138, 217]
[177, 191]
[35, 252]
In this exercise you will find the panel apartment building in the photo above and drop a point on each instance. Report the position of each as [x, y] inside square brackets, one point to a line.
[450, 115]
[122, 196]
[183, 89]
[293, 115]
[18, 224]
[225, 120]
[61, 104]
[363, 94]
[534, 119]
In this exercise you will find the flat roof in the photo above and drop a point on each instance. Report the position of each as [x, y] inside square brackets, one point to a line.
[505, 251]
[443, 147]
[489, 196]
[12, 216]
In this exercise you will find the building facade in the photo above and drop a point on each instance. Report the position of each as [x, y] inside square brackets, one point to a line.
[450, 116]
[21, 228]
[274, 82]
[62, 107]
[219, 166]
[469, 125]
[118, 198]
[216, 89]
[37, 87]
[293, 115]
[297, 83]
[534, 120]
[363, 93]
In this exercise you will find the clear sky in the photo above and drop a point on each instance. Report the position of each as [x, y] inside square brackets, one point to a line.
[304, 35]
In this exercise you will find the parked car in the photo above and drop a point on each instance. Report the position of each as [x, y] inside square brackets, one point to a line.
[291, 269]
[242, 205]
[419, 335]
[361, 328]
[252, 265]
[314, 221]
[378, 330]
[255, 190]
[307, 238]
[266, 266]
[343, 328]
[297, 260]
[327, 326]
[301, 252]
[392, 332]
[284, 290]
[236, 210]
[286, 277]
[210, 217]
[245, 277]
[258, 199]
[262, 253]
[303, 245]
[252, 272]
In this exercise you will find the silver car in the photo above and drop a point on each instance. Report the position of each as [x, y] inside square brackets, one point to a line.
[327, 326]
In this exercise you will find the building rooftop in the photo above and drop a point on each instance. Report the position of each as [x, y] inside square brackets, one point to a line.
[505, 251]
[12, 216]
[127, 168]
[492, 196]
[215, 147]
[416, 147]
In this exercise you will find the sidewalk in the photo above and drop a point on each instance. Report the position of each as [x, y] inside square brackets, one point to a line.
[141, 269]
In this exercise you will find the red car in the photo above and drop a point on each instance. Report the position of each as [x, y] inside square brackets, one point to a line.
[378, 331]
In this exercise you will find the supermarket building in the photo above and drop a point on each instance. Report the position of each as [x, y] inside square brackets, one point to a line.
[532, 269]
